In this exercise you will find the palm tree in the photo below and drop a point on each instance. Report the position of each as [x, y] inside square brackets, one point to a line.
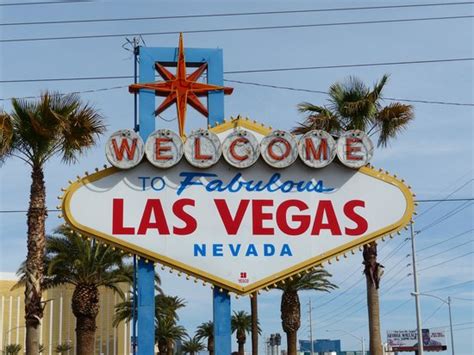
[166, 316]
[165, 307]
[35, 131]
[87, 265]
[353, 105]
[167, 333]
[12, 349]
[192, 345]
[63, 348]
[241, 323]
[206, 331]
[316, 279]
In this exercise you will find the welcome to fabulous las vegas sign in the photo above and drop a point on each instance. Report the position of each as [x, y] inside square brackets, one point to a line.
[238, 205]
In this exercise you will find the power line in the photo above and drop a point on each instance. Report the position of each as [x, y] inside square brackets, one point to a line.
[230, 14]
[446, 250]
[446, 216]
[326, 93]
[450, 286]
[446, 261]
[447, 240]
[463, 299]
[447, 200]
[239, 82]
[43, 2]
[446, 197]
[263, 70]
[235, 29]
[339, 66]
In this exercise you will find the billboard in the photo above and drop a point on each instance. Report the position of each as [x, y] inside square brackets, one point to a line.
[240, 226]
[406, 340]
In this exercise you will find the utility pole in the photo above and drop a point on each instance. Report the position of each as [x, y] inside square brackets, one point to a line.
[416, 293]
[451, 325]
[310, 311]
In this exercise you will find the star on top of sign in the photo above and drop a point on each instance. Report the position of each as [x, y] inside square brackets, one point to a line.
[180, 88]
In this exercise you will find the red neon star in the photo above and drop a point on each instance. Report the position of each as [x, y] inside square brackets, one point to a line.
[181, 88]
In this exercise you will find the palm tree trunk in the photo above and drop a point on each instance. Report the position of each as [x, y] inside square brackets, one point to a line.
[254, 313]
[162, 347]
[210, 345]
[85, 332]
[372, 274]
[169, 347]
[85, 306]
[34, 260]
[241, 348]
[291, 343]
[290, 318]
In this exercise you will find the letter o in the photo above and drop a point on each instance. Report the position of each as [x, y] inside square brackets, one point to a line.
[279, 149]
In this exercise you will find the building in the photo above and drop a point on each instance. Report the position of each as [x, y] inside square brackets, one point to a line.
[58, 322]
[320, 346]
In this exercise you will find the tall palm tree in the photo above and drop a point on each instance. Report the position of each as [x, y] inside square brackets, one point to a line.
[34, 132]
[206, 331]
[353, 105]
[315, 280]
[241, 324]
[167, 333]
[87, 265]
[166, 317]
[192, 345]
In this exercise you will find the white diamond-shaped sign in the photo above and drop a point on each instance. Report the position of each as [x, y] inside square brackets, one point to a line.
[241, 229]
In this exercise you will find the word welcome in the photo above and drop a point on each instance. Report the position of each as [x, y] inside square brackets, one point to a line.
[241, 149]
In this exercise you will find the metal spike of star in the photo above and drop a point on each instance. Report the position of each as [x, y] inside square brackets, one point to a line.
[180, 88]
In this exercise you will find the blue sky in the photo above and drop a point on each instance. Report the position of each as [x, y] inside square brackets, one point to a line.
[434, 155]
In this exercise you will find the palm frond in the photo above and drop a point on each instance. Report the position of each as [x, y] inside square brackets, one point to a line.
[391, 120]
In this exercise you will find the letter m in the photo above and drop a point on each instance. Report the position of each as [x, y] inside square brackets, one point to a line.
[124, 147]
[316, 153]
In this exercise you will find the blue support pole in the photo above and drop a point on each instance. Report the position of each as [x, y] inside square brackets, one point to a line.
[222, 329]
[221, 300]
[146, 271]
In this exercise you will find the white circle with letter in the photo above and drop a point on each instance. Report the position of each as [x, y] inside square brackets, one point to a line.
[354, 149]
[241, 149]
[279, 149]
[317, 148]
[164, 148]
[202, 148]
[124, 149]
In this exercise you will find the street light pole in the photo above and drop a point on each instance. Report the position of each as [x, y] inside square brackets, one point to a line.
[451, 325]
[416, 294]
[448, 302]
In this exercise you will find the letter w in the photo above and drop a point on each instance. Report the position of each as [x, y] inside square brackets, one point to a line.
[124, 147]
[231, 225]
